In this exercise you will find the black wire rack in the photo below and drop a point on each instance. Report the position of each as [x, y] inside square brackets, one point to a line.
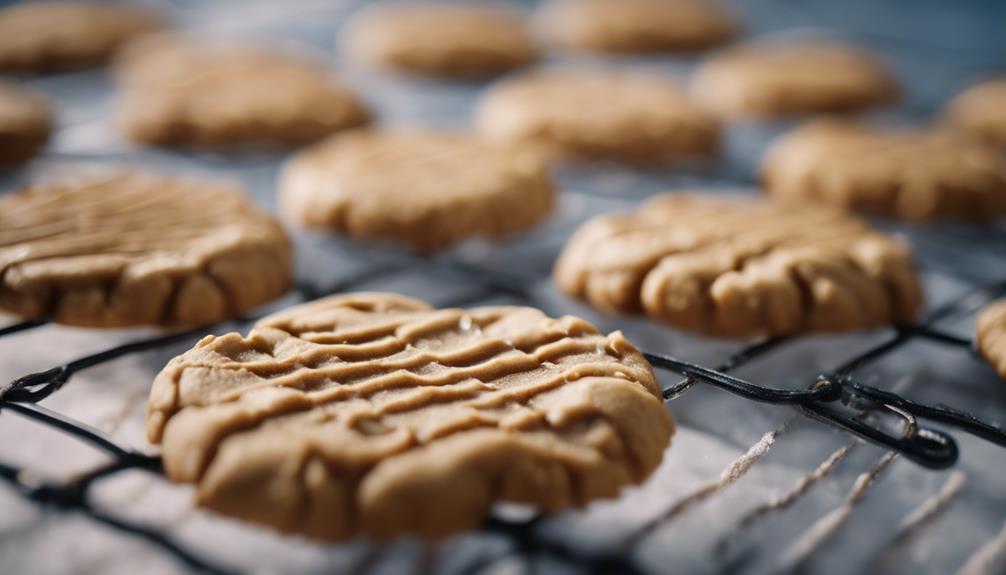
[861, 406]
[838, 397]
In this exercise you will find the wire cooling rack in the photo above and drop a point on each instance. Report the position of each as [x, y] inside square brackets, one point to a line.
[745, 487]
[925, 446]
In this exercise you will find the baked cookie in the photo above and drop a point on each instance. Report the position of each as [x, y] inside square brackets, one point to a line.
[426, 189]
[904, 173]
[635, 26]
[25, 124]
[630, 117]
[182, 92]
[775, 78]
[735, 267]
[443, 39]
[134, 249]
[981, 111]
[53, 36]
[375, 414]
[991, 335]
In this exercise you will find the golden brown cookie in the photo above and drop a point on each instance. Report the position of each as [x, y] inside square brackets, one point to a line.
[991, 335]
[426, 189]
[904, 173]
[445, 39]
[981, 111]
[52, 36]
[375, 414]
[735, 267]
[635, 26]
[631, 117]
[769, 79]
[134, 249]
[182, 92]
[25, 124]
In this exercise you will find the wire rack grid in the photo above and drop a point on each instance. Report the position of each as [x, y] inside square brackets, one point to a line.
[745, 487]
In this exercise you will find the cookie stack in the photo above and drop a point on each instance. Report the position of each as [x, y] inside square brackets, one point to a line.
[345, 416]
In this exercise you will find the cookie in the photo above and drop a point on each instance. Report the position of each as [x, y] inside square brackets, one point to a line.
[375, 414]
[135, 249]
[735, 267]
[905, 173]
[629, 117]
[426, 189]
[53, 36]
[441, 39]
[981, 111]
[635, 26]
[776, 78]
[991, 336]
[25, 124]
[182, 92]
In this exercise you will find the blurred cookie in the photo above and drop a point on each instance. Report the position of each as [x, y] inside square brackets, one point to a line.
[635, 26]
[375, 414]
[736, 267]
[135, 249]
[776, 78]
[991, 335]
[981, 111]
[631, 117]
[183, 92]
[903, 173]
[52, 36]
[446, 39]
[25, 124]
[426, 189]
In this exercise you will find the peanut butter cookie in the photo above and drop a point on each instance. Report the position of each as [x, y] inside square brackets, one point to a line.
[774, 78]
[991, 335]
[134, 249]
[636, 26]
[53, 36]
[375, 414]
[426, 189]
[25, 124]
[905, 173]
[630, 117]
[741, 268]
[443, 39]
[182, 92]
[981, 111]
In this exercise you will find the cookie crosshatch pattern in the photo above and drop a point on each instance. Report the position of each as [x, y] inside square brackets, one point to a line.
[741, 268]
[745, 487]
[134, 248]
[382, 400]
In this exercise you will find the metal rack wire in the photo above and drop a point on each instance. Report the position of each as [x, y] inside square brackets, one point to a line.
[863, 410]
[865, 404]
